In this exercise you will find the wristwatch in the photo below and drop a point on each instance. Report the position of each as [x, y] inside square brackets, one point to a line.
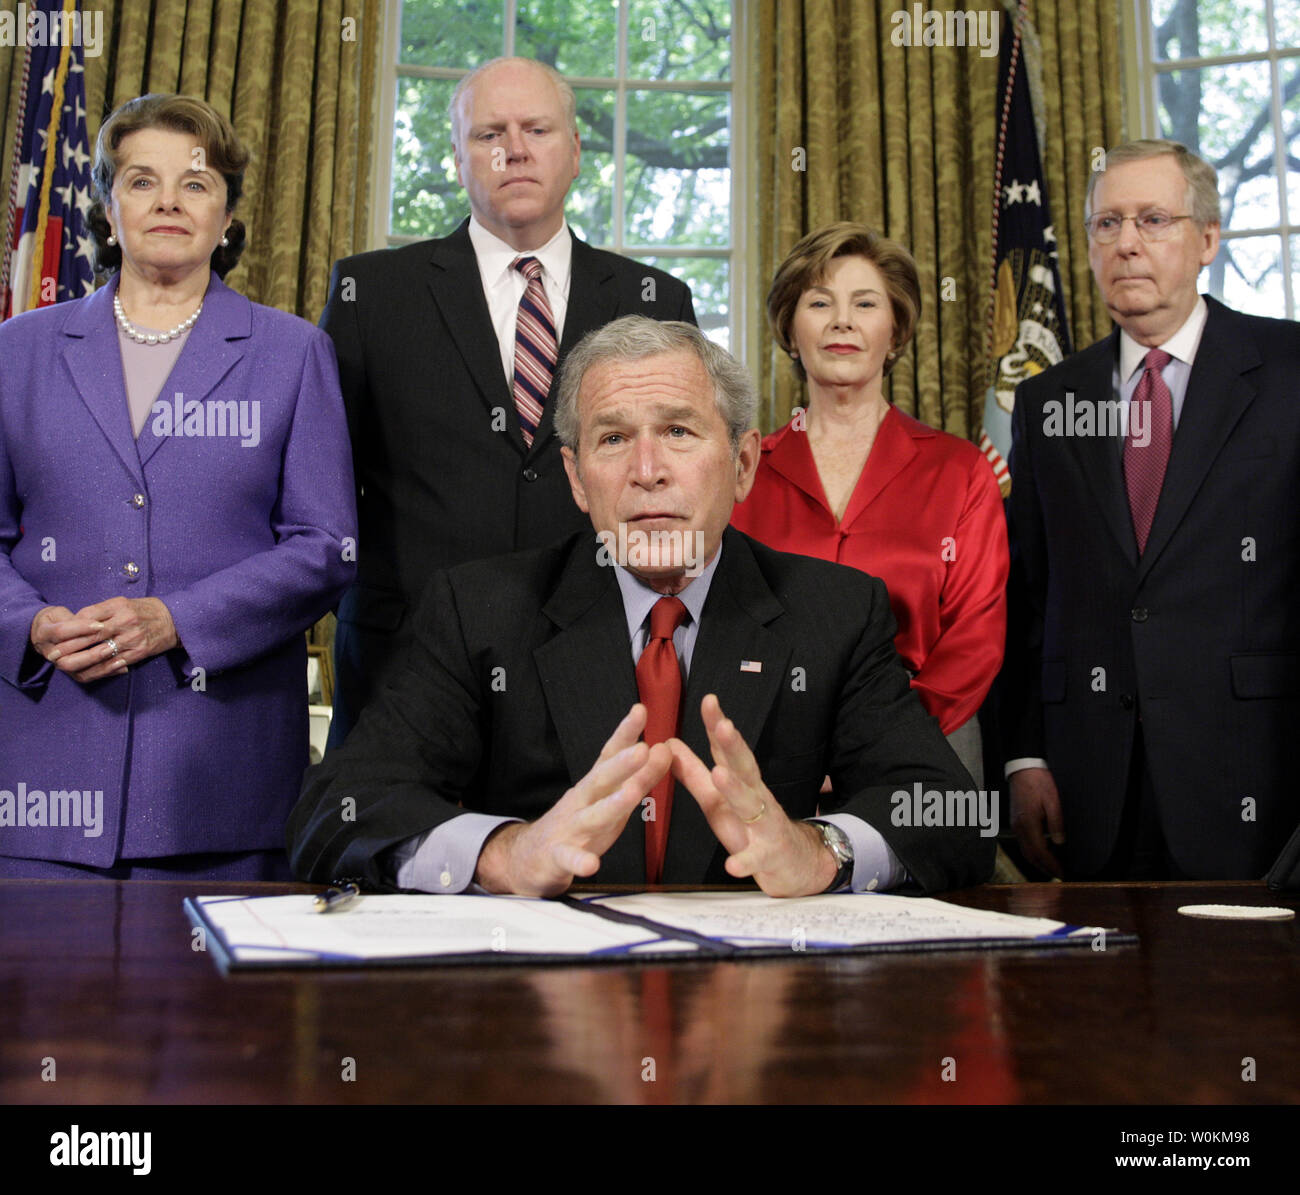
[837, 842]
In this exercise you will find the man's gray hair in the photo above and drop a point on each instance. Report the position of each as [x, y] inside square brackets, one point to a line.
[1202, 180]
[635, 337]
[459, 97]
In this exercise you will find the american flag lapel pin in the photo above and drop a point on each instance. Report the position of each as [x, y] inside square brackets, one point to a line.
[751, 665]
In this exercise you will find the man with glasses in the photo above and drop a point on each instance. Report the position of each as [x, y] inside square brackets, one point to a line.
[1153, 662]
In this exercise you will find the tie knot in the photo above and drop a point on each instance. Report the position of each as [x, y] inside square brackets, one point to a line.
[529, 267]
[666, 615]
[1157, 359]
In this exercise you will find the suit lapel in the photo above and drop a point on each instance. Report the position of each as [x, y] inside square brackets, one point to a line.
[214, 346]
[93, 358]
[457, 292]
[593, 302]
[1101, 456]
[733, 628]
[1218, 395]
[587, 676]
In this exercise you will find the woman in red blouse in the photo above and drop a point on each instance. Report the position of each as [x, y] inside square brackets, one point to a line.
[853, 479]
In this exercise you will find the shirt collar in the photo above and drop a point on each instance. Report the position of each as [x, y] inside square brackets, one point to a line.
[494, 256]
[1182, 344]
[638, 597]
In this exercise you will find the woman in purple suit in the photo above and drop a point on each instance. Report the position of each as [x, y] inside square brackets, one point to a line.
[176, 508]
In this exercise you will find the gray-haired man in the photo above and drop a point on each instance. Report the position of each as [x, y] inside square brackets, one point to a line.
[508, 753]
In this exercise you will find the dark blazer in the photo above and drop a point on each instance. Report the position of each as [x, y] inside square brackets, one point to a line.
[520, 668]
[442, 472]
[1200, 637]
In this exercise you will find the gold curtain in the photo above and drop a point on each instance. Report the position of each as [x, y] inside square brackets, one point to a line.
[851, 126]
[298, 79]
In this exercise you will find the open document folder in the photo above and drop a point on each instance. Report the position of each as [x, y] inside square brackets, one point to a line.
[286, 931]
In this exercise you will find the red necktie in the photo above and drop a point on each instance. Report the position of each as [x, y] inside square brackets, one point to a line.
[659, 683]
[536, 349]
[1151, 410]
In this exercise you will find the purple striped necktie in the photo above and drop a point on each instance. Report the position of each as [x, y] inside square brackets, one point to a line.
[1145, 463]
[536, 348]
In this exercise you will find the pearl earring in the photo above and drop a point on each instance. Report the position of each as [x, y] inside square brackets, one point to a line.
[112, 240]
[225, 241]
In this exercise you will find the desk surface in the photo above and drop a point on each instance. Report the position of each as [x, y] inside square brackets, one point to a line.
[100, 976]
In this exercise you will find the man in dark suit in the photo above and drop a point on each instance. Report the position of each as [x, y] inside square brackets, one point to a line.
[506, 754]
[452, 444]
[1153, 656]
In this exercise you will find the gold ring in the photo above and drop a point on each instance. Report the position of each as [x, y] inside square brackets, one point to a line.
[762, 809]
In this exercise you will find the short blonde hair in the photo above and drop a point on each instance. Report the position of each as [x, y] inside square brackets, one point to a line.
[807, 264]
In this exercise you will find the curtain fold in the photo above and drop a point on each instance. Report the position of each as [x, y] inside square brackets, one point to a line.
[851, 126]
[298, 79]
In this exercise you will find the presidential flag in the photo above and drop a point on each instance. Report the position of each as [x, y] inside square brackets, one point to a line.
[48, 247]
[1028, 331]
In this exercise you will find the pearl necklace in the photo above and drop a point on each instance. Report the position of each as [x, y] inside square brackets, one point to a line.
[151, 337]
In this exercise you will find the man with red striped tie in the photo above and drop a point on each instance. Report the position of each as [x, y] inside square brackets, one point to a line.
[447, 351]
[1154, 639]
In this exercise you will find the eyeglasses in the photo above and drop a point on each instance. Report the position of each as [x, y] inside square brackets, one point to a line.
[1153, 225]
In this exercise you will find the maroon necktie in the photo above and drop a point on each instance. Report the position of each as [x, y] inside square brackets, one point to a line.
[1151, 410]
[536, 349]
[659, 683]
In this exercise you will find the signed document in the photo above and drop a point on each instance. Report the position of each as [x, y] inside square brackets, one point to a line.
[286, 931]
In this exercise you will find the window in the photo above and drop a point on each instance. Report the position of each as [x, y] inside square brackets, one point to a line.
[654, 83]
[1223, 77]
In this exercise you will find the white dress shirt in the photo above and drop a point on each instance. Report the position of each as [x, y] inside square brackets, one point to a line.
[504, 287]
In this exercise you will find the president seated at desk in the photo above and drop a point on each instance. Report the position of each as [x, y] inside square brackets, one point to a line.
[556, 708]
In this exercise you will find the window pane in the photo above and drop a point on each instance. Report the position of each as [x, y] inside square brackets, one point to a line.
[462, 34]
[590, 208]
[577, 37]
[679, 39]
[1192, 29]
[678, 187]
[1247, 275]
[1286, 23]
[427, 199]
[1295, 278]
[709, 280]
[1222, 113]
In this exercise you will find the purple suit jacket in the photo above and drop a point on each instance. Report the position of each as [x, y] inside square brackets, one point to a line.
[201, 748]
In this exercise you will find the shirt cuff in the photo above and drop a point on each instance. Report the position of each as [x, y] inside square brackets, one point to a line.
[443, 859]
[1019, 765]
[875, 867]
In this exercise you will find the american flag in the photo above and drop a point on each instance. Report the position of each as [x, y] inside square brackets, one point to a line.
[48, 248]
[1027, 325]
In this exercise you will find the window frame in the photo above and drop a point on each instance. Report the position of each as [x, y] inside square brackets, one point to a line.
[1142, 109]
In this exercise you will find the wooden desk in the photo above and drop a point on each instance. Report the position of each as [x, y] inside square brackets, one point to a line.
[101, 977]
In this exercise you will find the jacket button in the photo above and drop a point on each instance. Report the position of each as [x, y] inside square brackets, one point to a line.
[137, 500]
[1139, 614]
[132, 570]
[1126, 701]
[530, 474]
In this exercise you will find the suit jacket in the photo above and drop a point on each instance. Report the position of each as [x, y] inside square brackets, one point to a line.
[1199, 637]
[926, 518]
[442, 472]
[520, 668]
[243, 542]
